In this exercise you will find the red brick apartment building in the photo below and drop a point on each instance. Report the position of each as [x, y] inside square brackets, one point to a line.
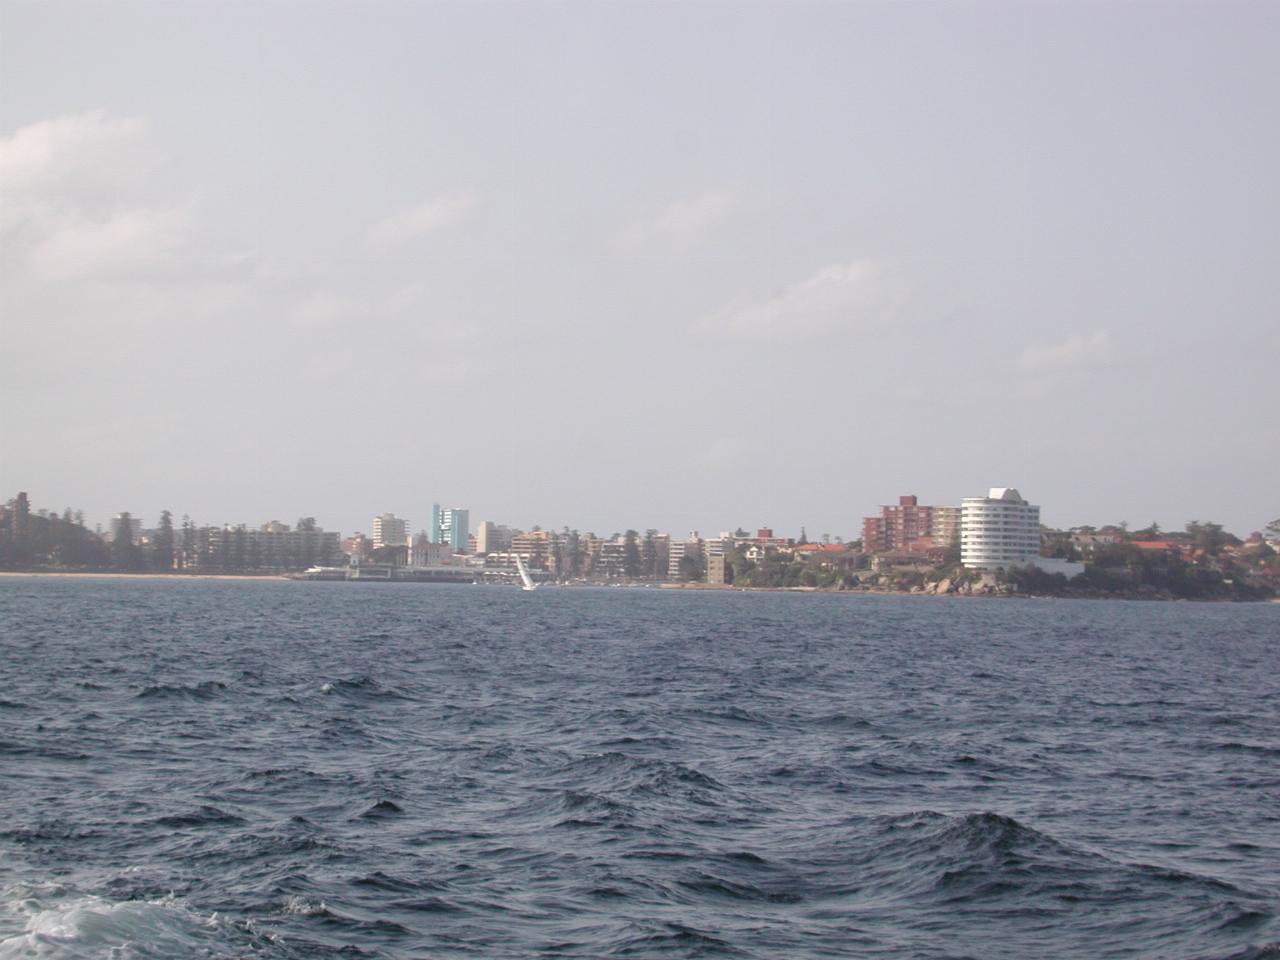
[909, 527]
[896, 526]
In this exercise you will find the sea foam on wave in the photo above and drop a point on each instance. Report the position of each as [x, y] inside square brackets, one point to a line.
[63, 924]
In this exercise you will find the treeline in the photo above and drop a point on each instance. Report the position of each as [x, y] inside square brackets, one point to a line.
[41, 539]
[1124, 570]
[777, 569]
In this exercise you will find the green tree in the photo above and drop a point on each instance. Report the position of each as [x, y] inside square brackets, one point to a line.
[690, 569]
[239, 548]
[649, 554]
[1209, 537]
[631, 554]
[573, 553]
[187, 555]
[162, 545]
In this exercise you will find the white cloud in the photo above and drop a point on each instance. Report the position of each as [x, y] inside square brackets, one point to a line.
[1074, 351]
[864, 294]
[420, 220]
[74, 201]
[679, 224]
[126, 243]
[52, 150]
[321, 310]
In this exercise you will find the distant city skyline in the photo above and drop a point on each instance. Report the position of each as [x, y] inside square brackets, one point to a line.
[406, 530]
[688, 266]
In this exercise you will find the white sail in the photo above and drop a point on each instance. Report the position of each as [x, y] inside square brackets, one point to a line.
[524, 574]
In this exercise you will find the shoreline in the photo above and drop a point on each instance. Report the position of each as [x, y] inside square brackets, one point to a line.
[95, 575]
[698, 587]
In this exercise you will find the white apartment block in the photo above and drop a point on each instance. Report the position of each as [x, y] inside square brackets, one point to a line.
[999, 530]
[390, 531]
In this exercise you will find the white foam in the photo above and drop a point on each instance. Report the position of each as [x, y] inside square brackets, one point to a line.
[68, 926]
[303, 907]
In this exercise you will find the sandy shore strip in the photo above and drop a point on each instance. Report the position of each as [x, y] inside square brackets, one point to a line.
[177, 577]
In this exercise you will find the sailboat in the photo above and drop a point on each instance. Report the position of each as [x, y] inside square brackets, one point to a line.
[524, 574]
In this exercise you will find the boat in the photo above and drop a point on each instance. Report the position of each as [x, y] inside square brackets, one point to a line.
[527, 580]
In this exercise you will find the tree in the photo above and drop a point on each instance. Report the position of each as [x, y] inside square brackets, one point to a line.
[804, 538]
[573, 553]
[188, 553]
[649, 553]
[162, 545]
[1209, 537]
[631, 554]
[690, 568]
[557, 554]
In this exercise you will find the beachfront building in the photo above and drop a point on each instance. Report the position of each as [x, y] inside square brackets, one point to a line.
[678, 550]
[449, 525]
[910, 527]
[999, 530]
[491, 537]
[944, 526]
[536, 548]
[390, 531]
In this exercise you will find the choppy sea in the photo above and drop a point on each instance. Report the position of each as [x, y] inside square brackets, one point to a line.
[310, 770]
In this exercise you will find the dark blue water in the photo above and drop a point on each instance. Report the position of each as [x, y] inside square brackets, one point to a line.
[281, 770]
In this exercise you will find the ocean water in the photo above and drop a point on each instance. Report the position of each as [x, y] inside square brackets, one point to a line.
[310, 770]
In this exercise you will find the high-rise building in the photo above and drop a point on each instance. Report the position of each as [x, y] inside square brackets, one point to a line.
[897, 527]
[536, 548]
[390, 531]
[944, 526]
[999, 530]
[449, 525]
[716, 568]
[679, 550]
[491, 537]
[126, 528]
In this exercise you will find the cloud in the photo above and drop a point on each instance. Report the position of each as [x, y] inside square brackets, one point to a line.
[864, 294]
[1074, 351]
[124, 244]
[679, 224]
[322, 310]
[52, 150]
[420, 220]
[74, 204]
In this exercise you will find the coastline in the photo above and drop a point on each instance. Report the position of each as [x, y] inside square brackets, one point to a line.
[703, 587]
[181, 577]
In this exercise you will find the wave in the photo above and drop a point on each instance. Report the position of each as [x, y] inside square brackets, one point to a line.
[63, 925]
[616, 770]
[1256, 749]
[199, 691]
[382, 809]
[203, 816]
[362, 688]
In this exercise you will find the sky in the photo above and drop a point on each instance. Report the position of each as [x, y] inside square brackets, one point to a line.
[640, 264]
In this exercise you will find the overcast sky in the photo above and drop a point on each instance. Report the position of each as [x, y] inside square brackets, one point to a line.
[621, 265]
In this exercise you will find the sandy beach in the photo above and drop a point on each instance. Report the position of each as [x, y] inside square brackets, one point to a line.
[177, 577]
